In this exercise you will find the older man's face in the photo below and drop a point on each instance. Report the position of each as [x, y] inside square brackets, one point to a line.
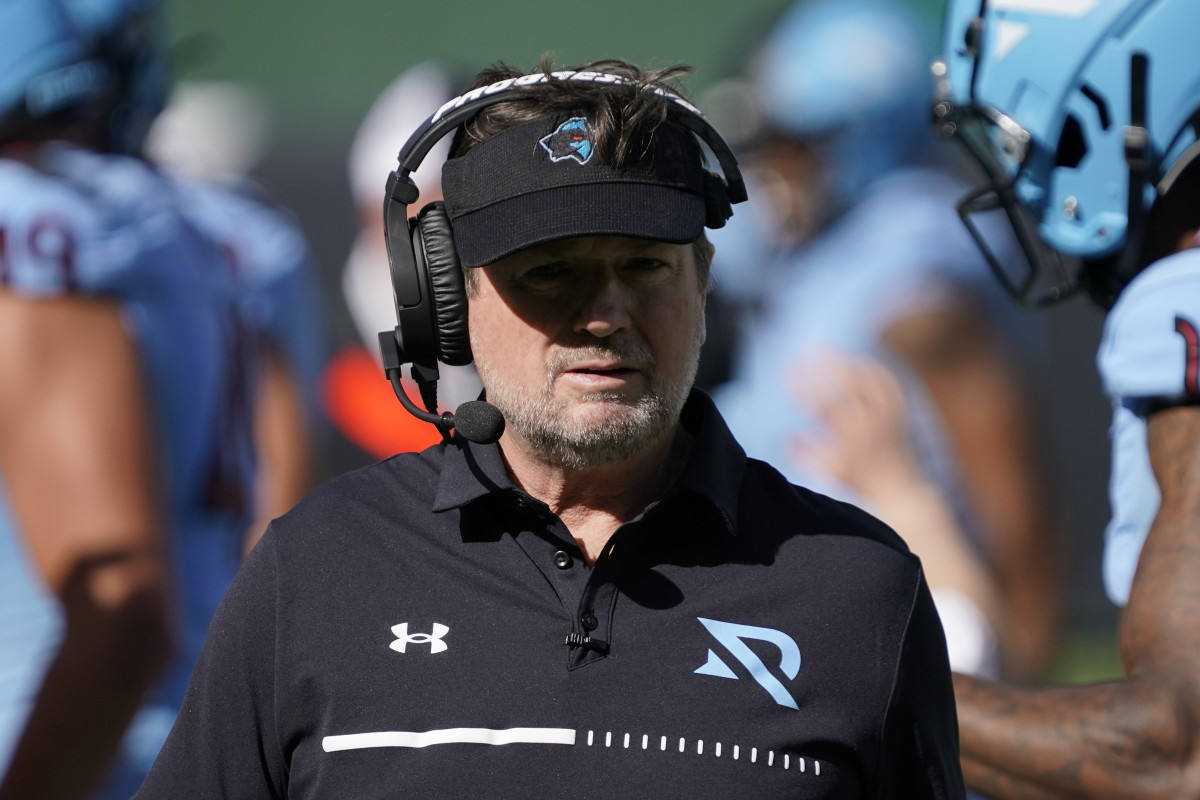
[590, 345]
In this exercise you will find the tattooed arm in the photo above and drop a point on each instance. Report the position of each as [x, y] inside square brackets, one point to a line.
[1134, 738]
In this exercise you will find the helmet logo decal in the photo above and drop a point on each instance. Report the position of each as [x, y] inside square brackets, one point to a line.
[1010, 33]
[1052, 8]
[571, 140]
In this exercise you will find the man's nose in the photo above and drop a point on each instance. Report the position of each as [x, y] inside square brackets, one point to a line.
[605, 308]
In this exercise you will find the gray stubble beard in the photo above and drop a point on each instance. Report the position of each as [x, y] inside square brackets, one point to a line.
[560, 441]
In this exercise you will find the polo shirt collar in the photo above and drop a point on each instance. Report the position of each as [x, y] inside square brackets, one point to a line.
[469, 471]
[717, 464]
[714, 469]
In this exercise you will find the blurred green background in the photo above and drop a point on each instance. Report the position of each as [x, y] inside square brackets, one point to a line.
[318, 66]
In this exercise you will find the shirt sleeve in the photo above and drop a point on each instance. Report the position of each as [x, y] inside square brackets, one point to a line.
[55, 241]
[225, 743]
[1149, 351]
[920, 732]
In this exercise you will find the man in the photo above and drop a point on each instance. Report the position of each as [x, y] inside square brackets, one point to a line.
[118, 383]
[611, 599]
[1084, 119]
[852, 244]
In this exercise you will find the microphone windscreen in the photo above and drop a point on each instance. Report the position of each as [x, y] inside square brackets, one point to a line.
[479, 422]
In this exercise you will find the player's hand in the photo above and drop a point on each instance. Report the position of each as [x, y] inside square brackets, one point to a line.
[862, 438]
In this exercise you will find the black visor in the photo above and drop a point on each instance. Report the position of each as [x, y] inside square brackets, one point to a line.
[542, 181]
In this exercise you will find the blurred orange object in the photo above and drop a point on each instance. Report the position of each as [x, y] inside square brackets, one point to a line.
[360, 402]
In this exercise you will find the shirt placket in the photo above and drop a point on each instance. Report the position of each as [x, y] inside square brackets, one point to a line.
[587, 594]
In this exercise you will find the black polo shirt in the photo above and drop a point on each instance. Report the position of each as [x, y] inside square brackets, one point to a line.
[420, 628]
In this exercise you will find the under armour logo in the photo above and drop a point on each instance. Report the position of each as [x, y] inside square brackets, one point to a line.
[731, 636]
[434, 640]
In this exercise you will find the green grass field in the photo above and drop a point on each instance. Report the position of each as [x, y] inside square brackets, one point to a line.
[1086, 656]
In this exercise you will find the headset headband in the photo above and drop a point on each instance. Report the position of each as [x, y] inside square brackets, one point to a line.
[460, 109]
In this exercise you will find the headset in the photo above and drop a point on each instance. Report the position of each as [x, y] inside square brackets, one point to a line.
[427, 281]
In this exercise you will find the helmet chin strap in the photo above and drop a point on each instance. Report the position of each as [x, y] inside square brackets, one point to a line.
[1138, 155]
[1105, 278]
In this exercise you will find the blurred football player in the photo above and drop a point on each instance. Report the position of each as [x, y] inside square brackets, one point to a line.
[124, 415]
[208, 138]
[1084, 117]
[852, 244]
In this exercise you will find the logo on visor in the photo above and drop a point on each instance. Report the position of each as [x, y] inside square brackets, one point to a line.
[571, 140]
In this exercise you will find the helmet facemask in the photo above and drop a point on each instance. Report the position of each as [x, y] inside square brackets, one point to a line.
[1033, 273]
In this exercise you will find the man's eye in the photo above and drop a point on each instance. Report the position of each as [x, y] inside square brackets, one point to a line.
[644, 265]
[544, 273]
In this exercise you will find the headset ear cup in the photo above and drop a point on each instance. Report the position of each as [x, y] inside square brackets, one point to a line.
[433, 238]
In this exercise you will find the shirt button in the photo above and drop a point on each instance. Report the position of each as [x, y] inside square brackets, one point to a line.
[562, 559]
[589, 621]
[520, 503]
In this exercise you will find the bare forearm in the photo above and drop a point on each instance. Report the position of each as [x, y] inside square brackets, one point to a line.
[110, 655]
[919, 513]
[75, 423]
[284, 444]
[983, 778]
[1129, 739]
[986, 411]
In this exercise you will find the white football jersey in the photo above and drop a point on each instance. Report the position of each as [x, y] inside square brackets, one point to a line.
[1148, 357]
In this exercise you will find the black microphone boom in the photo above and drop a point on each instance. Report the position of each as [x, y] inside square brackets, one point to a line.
[474, 420]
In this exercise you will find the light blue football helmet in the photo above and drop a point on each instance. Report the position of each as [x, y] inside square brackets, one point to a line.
[852, 77]
[56, 55]
[1081, 113]
[45, 58]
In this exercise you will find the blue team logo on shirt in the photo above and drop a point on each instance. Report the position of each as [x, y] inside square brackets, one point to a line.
[571, 140]
[732, 637]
